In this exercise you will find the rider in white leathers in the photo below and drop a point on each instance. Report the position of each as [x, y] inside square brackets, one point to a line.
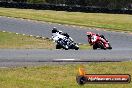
[57, 34]
[63, 40]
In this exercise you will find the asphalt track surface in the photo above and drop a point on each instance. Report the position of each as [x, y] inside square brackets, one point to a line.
[121, 43]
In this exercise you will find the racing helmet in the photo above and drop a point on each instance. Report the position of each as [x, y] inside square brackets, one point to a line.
[89, 34]
[54, 30]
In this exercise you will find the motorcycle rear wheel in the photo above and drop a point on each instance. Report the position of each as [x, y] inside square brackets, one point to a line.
[95, 47]
[101, 45]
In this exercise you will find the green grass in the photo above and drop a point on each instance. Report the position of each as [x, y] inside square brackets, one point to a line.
[60, 76]
[85, 46]
[13, 40]
[117, 22]
[19, 41]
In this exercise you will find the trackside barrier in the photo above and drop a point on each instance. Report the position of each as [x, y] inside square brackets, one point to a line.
[64, 8]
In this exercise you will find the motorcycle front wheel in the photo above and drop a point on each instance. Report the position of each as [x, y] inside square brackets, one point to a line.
[76, 48]
[58, 46]
[95, 46]
[109, 46]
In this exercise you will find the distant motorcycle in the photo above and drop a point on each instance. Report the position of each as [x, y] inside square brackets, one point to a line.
[101, 44]
[98, 41]
[66, 43]
[63, 40]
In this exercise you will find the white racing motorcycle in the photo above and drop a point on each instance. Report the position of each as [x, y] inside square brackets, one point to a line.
[65, 42]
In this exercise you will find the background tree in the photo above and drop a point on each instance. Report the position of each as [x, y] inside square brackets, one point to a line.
[96, 3]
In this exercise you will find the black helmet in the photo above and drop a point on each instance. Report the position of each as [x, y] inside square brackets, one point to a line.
[54, 30]
[89, 34]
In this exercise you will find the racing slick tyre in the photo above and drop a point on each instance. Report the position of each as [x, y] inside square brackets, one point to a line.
[58, 46]
[110, 46]
[76, 48]
[94, 47]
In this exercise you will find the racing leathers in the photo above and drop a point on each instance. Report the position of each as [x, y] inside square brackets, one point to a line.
[92, 39]
[60, 35]
[56, 36]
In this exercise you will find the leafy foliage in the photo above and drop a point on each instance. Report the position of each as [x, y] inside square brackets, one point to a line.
[125, 4]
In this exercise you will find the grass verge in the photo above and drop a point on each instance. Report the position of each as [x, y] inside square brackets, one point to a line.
[117, 22]
[60, 76]
[85, 46]
[19, 41]
[13, 40]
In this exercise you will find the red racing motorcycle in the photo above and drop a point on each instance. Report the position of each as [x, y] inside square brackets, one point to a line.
[98, 41]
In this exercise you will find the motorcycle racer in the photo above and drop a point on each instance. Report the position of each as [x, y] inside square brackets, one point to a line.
[63, 40]
[98, 41]
[56, 34]
[93, 36]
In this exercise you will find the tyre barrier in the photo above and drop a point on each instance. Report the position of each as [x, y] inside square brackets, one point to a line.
[59, 7]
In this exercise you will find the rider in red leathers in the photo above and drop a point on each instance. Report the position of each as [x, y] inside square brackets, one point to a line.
[92, 37]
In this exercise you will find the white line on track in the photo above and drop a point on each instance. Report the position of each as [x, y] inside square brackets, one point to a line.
[64, 59]
[3, 67]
